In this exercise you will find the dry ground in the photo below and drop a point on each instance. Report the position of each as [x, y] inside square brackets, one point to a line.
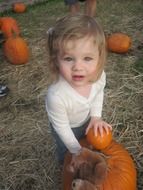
[27, 150]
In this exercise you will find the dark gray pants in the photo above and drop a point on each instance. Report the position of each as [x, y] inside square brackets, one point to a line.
[61, 149]
[72, 2]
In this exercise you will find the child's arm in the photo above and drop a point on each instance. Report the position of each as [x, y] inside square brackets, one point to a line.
[59, 120]
[96, 109]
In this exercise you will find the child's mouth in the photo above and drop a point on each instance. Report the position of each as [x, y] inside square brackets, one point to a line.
[77, 77]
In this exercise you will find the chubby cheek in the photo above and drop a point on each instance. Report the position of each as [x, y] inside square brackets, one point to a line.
[92, 74]
[65, 71]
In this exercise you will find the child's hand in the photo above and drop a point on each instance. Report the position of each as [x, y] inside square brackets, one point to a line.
[99, 125]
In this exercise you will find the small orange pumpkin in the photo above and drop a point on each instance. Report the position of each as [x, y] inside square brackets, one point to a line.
[9, 26]
[99, 142]
[19, 7]
[118, 43]
[16, 50]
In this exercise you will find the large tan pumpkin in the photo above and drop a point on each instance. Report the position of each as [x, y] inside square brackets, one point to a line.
[16, 50]
[118, 43]
[121, 173]
[9, 27]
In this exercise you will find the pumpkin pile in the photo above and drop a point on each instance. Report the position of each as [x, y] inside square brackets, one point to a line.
[119, 43]
[15, 47]
[121, 172]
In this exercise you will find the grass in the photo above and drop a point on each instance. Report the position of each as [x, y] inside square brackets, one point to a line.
[27, 150]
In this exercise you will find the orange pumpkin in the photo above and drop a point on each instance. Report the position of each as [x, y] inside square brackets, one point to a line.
[0, 23]
[118, 43]
[99, 142]
[16, 50]
[9, 26]
[121, 172]
[19, 7]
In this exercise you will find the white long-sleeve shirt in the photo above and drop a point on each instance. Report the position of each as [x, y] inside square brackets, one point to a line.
[67, 109]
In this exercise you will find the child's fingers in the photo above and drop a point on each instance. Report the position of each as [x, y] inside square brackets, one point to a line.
[110, 127]
[95, 130]
[107, 128]
[101, 130]
[87, 129]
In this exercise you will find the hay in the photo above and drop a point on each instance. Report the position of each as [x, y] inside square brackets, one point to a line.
[27, 150]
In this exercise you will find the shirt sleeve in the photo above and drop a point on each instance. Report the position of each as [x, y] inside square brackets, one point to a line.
[58, 117]
[96, 108]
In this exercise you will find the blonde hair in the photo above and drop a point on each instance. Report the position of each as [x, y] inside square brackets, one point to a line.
[72, 28]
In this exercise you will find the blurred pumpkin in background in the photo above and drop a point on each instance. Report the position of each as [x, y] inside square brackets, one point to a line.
[118, 43]
[9, 26]
[19, 7]
[16, 50]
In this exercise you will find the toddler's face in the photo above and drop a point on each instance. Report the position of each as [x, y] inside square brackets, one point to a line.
[78, 62]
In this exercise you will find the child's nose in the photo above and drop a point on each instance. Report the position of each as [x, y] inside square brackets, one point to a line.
[77, 65]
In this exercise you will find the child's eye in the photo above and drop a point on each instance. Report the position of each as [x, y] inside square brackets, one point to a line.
[68, 58]
[88, 58]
